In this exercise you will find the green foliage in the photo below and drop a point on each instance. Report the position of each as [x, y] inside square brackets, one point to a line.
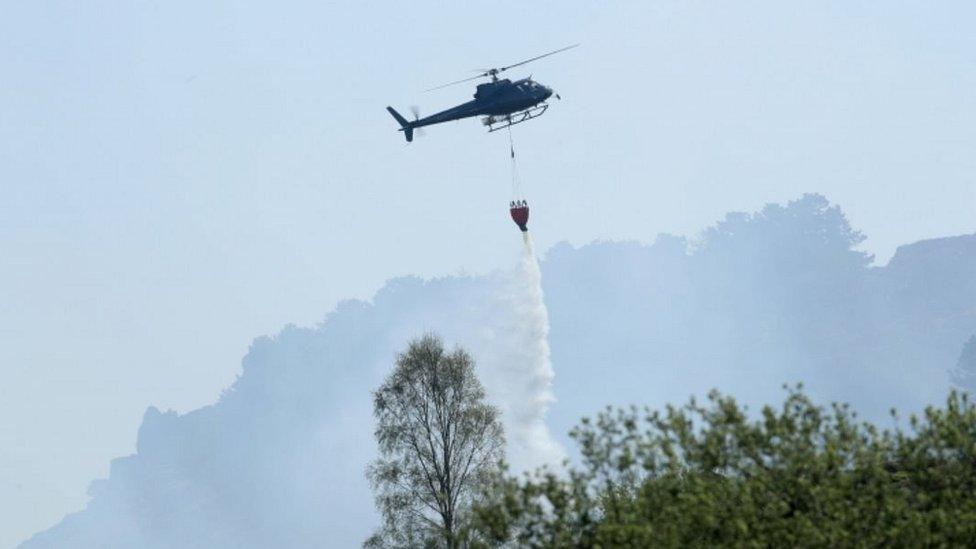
[712, 475]
[439, 444]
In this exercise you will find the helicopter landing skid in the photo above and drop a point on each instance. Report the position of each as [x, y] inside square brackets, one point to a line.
[496, 123]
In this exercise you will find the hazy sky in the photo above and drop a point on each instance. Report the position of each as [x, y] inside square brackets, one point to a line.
[179, 177]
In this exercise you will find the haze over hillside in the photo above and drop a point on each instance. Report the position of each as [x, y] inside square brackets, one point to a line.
[780, 295]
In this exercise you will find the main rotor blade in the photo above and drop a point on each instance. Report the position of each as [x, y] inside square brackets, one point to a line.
[482, 75]
[538, 57]
[490, 72]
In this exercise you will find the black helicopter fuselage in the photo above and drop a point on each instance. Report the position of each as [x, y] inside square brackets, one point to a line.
[493, 99]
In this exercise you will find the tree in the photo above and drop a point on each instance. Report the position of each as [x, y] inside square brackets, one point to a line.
[963, 375]
[713, 475]
[439, 442]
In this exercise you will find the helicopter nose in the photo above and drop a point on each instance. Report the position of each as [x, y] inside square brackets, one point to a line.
[549, 93]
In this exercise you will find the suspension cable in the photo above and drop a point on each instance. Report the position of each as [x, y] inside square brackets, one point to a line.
[516, 182]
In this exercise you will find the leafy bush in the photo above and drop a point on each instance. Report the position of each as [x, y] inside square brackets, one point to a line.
[708, 475]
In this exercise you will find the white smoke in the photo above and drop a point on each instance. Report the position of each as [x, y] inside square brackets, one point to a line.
[291, 437]
[278, 459]
[514, 364]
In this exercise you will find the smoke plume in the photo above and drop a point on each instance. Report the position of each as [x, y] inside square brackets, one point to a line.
[779, 295]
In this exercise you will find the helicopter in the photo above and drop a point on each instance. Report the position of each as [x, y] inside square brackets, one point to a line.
[501, 101]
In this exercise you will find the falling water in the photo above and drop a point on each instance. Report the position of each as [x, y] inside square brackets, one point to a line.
[518, 366]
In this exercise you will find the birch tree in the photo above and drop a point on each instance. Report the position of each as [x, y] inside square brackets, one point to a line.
[439, 443]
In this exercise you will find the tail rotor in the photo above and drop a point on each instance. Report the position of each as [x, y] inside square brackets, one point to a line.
[415, 110]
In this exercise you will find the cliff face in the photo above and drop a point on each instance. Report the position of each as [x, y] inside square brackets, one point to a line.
[759, 300]
[930, 277]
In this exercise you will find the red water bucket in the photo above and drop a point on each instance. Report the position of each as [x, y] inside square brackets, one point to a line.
[520, 215]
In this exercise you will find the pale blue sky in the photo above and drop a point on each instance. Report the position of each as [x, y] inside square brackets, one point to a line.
[179, 177]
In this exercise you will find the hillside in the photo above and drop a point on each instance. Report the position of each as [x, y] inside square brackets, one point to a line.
[780, 295]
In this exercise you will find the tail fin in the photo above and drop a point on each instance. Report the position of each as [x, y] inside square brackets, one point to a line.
[405, 125]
